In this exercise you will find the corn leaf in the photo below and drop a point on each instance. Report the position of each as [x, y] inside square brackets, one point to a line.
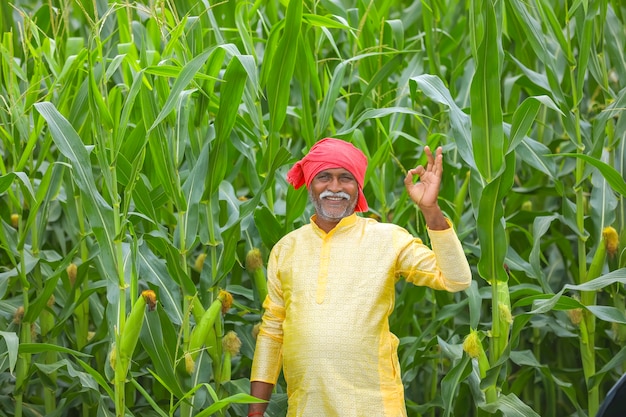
[99, 212]
[282, 67]
[450, 383]
[490, 224]
[434, 88]
[153, 270]
[12, 346]
[511, 406]
[230, 97]
[488, 140]
[611, 175]
[158, 338]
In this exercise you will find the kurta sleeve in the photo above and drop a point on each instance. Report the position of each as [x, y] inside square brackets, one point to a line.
[445, 267]
[267, 361]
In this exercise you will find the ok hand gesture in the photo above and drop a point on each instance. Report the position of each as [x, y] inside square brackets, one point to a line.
[425, 192]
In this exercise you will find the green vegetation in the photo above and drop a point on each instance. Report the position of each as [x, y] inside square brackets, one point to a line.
[144, 146]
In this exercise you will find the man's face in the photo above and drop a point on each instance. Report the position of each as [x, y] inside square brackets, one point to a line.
[334, 193]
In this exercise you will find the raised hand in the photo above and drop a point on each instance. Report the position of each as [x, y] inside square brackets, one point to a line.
[425, 192]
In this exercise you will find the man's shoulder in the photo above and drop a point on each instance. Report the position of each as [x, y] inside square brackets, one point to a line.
[294, 235]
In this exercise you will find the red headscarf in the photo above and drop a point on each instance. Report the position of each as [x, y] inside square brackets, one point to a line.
[331, 153]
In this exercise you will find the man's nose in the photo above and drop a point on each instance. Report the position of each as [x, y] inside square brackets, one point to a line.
[334, 185]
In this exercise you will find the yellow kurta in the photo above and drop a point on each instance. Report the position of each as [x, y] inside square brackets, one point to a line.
[326, 314]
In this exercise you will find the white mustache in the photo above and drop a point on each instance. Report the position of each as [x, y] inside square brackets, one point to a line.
[340, 194]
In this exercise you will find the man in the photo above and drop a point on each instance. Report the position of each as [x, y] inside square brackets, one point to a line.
[331, 287]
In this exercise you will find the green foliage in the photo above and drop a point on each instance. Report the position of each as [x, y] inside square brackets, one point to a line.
[144, 145]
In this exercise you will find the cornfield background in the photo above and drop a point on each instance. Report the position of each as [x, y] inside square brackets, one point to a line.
[144, 147]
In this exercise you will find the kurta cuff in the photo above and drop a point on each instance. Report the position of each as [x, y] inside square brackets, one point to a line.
[448, 249]
[268, 363]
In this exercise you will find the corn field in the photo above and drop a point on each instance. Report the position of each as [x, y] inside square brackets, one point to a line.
[144, 147]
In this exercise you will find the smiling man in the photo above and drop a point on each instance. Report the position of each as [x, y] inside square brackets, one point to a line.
[331, 289]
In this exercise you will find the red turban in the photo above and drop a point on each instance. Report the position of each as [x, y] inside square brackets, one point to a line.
[331, 153]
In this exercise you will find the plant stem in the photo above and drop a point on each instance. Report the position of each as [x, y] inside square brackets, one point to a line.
[23, 361]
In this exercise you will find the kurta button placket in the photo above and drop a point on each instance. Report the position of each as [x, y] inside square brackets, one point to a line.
[322, 277]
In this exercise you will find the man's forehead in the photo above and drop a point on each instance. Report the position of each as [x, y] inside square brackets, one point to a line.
[334, 171]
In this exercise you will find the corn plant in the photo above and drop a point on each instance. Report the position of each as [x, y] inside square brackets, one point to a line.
[144, 147]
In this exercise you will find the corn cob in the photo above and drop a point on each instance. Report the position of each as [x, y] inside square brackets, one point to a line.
[203, 328]
[130, 334]
[231, 345]
[254, 265]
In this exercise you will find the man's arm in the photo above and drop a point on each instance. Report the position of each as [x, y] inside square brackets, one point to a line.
[262, 390]
[426, 191]
[267, 360]
[454, 271]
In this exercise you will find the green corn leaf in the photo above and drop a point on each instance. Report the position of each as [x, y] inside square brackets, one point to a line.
[329, 100]
[308, 79]
[511, 406]
[230, 97]
[185, 77]
[524, 117]
[148, 397]
[143, 199]
[617, 276]
[450, 383]
[281, 158]
[490, 225]
[536, 154]
[374, 114]
[161, 155]
[99, 212]
[193, 189]
[44, 296]
[324, 21]
[153, 270]
[158, 338]
[379, 78]
[610, 174]
[46, 347]
[614, 39]
[230, 209]
[541, 225]
[434, 88]
[7, 180]
[611, 365]
[585, 29]
[488, 140]
[295, 205]
[122, 126]
[269, 228]
[12, 341]
[548, 15]
[608, 314]
[282, 67]
[535, 37]
[218, 405]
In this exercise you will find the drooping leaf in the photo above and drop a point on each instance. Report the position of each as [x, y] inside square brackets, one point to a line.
[99, 212]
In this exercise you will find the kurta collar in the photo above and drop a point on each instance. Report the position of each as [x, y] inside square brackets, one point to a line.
[343, 224]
